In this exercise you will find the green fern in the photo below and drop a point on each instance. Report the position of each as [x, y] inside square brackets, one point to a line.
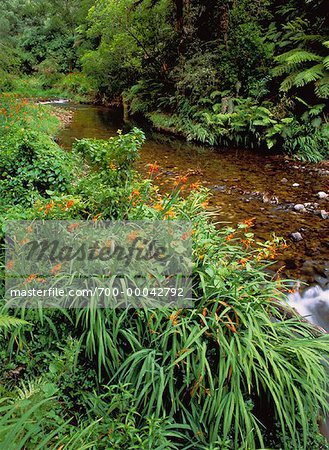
[8, 322]
[309, 75]
[297, 64]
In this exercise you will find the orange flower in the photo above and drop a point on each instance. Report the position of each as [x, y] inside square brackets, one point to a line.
[174, 317]
[201, 257]
[243, 262]
[133, 236]
[181, 180]
[195, 185]
[97, 217]
[10, 265]
[49, 207]
[56, 269]
[158, 207]
[69, 204]
[72, 227]
[249, 222]
[246, 242]
[229, 237]
[135, 193]
[153, 169]
[31, 278]
[186, 235]
[170, 214]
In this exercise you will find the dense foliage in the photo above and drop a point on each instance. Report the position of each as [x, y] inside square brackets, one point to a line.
[231, 372]
[219, 72]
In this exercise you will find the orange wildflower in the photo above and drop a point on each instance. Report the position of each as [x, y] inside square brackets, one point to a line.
[153, 169]
[229, 237]
[186, 235]
[10, 265]
[158, 207]
[135, 193]
[195, 185]
[31, 278]
[56, 269]
[249, 222]
[133, 236]
[246, 242]
[181, 180]
[72, 227]
[170, 214]
[97, 217]
[69, 204]
[243, 262]
[49, 207]
[174, 317]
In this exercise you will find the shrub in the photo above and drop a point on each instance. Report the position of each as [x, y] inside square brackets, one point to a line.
[31, 165]
[78, 85]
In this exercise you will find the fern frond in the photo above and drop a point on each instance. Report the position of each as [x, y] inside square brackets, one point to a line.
[280, 70]
[326, 62]
[311, 37]
[322, 87]
[288, 82]
[309, 75]
[7, 322]
[297, 56]
[326, 44]
[302, 56]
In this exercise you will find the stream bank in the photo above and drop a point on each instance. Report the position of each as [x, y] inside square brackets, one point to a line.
[243, 184]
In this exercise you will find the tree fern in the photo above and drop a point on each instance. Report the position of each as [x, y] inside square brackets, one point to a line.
[297, 56]
[297, 64]
[307, 76]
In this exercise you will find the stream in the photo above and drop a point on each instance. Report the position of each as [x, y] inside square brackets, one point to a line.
[243, 184]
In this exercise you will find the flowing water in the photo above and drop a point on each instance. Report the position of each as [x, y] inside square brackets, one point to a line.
[243, 185]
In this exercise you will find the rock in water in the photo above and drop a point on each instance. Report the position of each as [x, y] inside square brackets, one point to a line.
[296, 236]
[324, 214]
[296, 185]
[299, 207]
[321, 195]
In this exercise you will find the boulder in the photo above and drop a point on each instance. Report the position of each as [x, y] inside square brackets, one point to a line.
[297, 237]
[299, 207]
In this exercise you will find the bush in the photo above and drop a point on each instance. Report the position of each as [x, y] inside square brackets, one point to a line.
[77, 85]
[31, 165]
